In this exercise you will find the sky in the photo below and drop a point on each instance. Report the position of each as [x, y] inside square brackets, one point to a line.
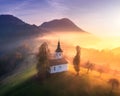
[100, 17]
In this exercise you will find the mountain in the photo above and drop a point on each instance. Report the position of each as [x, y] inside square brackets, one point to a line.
[10, 19]
[13, 27]
[63, 24]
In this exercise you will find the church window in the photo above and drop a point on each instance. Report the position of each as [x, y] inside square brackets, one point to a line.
[54, 68]
[59, 54]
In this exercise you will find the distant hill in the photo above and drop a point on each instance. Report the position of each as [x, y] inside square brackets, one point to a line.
[116, 51]
[13, 27]
[10, 19]
[63, 24]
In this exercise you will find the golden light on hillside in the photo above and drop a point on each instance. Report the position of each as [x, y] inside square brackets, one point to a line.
[96, 50]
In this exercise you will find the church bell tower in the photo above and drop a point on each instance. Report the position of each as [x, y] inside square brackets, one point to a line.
[58, 51]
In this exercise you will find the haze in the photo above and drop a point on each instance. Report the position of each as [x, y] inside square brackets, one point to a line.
[94, 49]
[84, 40]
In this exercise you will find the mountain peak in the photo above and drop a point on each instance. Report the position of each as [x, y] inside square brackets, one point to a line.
[64, 19]
[10, 19]
[63, 24]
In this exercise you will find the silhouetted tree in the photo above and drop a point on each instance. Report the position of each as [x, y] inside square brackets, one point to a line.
[89, 66]
[76, 60]
[114, 84]
[101, 70]
[43, 60]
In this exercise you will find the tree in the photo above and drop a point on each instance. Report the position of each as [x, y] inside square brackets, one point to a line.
[114, 84]
[76, 60]
[43, 60]
[89, 66]
[101, 70]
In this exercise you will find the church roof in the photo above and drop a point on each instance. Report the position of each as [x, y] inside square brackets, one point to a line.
[54, 62]
[58, 48]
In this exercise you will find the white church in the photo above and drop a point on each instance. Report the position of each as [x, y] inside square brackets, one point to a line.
[58, 63]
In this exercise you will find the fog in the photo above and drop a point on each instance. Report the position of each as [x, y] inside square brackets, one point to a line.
[93, 48]
[81, 39]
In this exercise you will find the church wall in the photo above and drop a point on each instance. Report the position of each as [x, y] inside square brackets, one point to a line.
[59, 68]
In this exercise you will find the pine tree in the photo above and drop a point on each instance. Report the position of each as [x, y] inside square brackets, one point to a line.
[76, 60]
[43, 60]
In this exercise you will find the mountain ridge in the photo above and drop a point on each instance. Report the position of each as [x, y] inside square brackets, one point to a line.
[13, 28]
[12, 19]
[63, 24]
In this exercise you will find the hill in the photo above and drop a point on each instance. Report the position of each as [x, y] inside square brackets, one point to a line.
[12, 29]
[116, 51]
[12, 26]
[63, 84]
[63, 24]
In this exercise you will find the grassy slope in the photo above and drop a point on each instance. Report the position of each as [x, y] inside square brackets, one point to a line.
[16, 80]
[64, 84]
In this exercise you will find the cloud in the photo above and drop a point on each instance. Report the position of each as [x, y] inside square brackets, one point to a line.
[58, 5]
[18, 7]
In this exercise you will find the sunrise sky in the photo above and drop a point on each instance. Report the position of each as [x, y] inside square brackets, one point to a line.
[101, 17]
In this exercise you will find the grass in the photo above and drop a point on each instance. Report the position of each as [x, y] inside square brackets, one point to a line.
[17, 80]
[63, 84]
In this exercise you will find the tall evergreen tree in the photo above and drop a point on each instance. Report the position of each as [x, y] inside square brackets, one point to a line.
[76, 60]
[43, 60]
[114, 84]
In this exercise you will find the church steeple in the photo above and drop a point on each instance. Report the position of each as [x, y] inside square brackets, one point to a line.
[58, 48]
[58, 51]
